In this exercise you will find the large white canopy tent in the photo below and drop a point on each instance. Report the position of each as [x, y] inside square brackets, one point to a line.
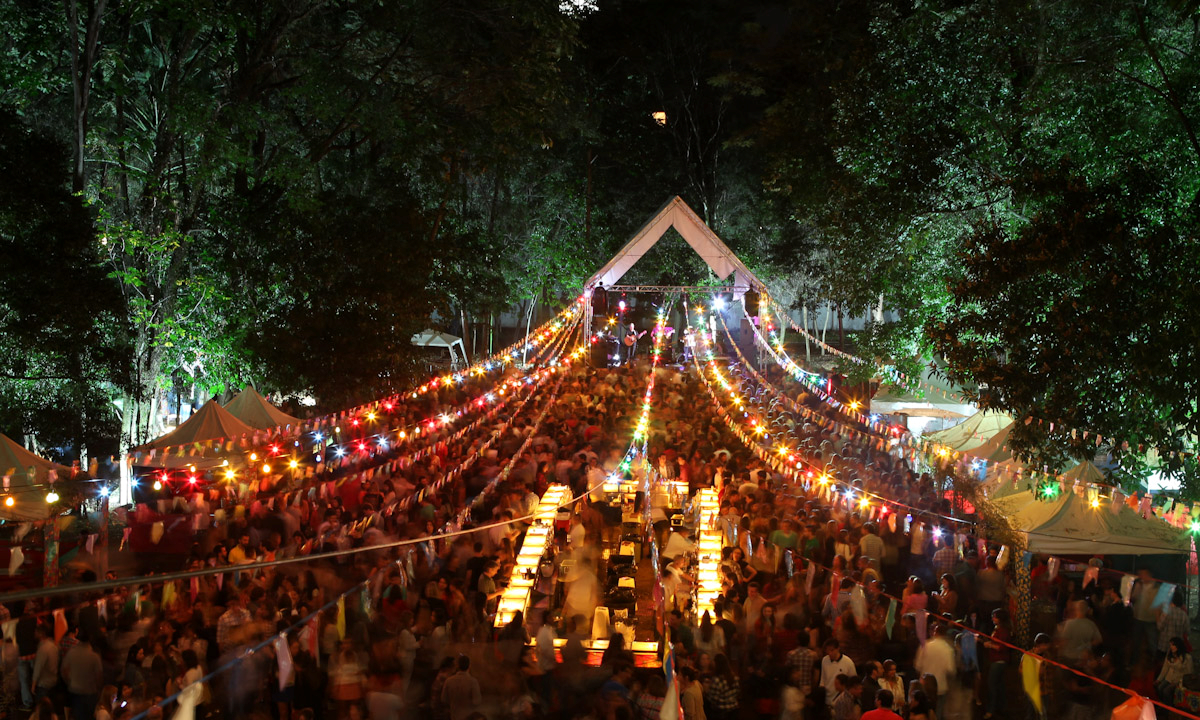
[253, 409]
[1086, 473]
[1068, 525]
[931, 407]
[972, 432]
[438, 339]
[995, 449]
[26, 472]
[675, 213]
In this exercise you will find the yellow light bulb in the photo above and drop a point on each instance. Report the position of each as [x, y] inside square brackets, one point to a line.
[230, 475]
[253, 457]
[266, 468]
[8, 501]
[293, 464]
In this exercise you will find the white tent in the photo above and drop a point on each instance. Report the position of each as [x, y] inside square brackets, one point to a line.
[436, 339]
[995, 449]
[711, 249]
[1068, 525]
[1004, 479]
[972, 432]
[1086, 473]
[253, 409]
[24, 471]
[932, 402]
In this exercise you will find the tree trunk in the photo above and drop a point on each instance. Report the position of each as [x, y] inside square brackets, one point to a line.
[804, 324]
[528, 322]
[81, 80]
[841, 331]
[462, 313]
[825, 329]
[587, 203]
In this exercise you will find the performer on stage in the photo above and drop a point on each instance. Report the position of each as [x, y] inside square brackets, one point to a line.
[631, 340]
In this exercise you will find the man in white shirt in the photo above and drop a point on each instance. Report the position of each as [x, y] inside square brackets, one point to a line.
[833, 664]
[545, 645]
[937, 659]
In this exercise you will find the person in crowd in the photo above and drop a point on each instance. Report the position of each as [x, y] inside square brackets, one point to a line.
[1176, 666]
[832, 665]
[410, 622]
[884, 707]
[460, 692]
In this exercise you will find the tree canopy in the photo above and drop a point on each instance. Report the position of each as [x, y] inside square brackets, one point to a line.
[283, 192]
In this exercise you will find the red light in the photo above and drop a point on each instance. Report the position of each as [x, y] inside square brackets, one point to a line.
[275, 449]
[192, 479]
[355, 422]
[361, 446]
[387, 406]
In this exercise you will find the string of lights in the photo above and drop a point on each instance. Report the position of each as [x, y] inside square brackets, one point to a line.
[541, 335]
[815, 479]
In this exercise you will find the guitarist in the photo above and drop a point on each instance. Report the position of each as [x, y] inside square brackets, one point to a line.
[631, 340]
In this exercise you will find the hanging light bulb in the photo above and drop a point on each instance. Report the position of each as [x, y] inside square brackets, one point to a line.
[157, 486]
[51, 497]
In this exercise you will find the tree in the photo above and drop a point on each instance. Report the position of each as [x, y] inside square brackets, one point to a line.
[1083, 317]
[64, 340]
[945, 138]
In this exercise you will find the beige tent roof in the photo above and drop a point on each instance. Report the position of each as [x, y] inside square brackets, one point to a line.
[676, 213]
[210, 422]
[1068, 525]
[936, 399]
[995, 450]
[25, 470]
[1086, 472]
[972, 432]
[1002, 479]
[254, 410]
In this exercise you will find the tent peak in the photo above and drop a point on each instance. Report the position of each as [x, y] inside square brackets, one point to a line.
[675, 213]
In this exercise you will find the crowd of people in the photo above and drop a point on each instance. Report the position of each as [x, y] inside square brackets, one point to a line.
[407, 630]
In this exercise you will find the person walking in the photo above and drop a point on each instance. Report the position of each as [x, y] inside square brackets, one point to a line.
[461, 691]
[83, 672]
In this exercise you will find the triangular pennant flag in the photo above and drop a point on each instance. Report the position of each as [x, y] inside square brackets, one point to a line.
[60, 625]
[283, 656]
[1030, 681]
